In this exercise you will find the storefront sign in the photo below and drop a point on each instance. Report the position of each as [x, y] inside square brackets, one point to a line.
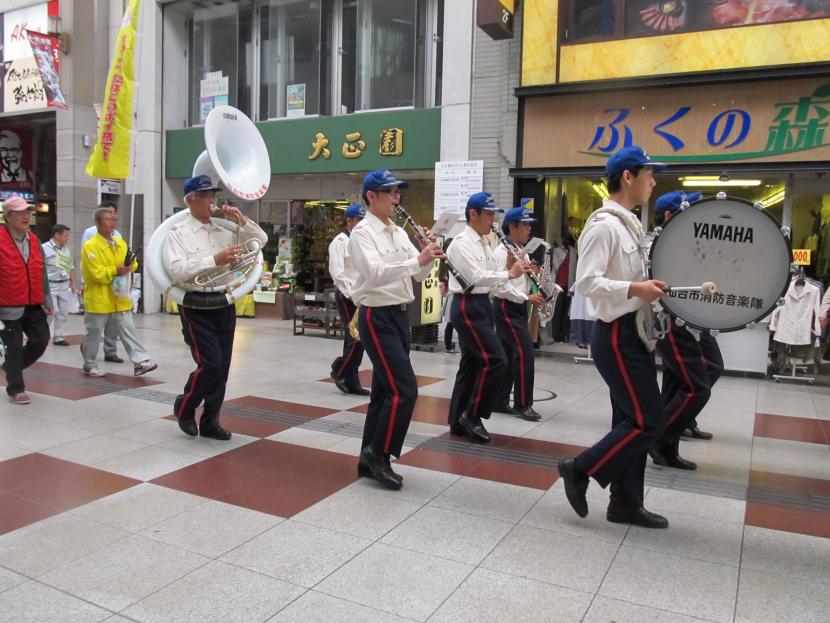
[295, 100]
[22, 85]
[760, 122]
[454, 183]
[108, 186]
[213, 92]
[495, 17]
[16, 148]
[351, 143]
[16, 23]
[802, 257]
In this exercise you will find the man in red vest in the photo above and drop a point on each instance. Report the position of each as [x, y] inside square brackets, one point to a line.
[24, 296]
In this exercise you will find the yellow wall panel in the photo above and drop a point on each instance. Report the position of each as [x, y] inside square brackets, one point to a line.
[730, 48]
[539, 34]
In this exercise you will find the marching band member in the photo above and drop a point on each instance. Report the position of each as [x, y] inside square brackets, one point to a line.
[385, 262]
[610, 273]
[510, 309]
[344, 369]
[691, 366]
[191, 247]
[483, 363]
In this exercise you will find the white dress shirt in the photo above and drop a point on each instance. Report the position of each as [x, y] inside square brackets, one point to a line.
[516, 289]
[796, 322]
[610, 258]
[384, 262]
[340, 264]
[190, 246]
[473, 258]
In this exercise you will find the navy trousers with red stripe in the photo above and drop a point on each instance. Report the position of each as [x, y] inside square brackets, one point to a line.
[482, 370]
[513, 331]
[209, 334]
[686, 387]
[712, 358]
[637, 420]
[346, 366]
[384, 332]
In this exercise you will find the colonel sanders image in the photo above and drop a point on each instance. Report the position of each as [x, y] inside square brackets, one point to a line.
[11, 160]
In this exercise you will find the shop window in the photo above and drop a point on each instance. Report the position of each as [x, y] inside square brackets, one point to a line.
[290, 63]
[616, 19]
[221, 63]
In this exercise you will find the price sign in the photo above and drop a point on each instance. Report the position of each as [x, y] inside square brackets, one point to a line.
[802, 256]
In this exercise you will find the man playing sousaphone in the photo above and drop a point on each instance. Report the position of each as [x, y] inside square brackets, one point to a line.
[192, 247]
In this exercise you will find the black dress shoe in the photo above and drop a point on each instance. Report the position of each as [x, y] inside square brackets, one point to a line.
[215, 432]
[60, 343]
[360, 391]
[339, 383]
[457, 430]
[696, 433]
[378, 470]
[506, 408]
[576, 485]
[636, 516]
[188, 425]
[529, 414]
[675, 461]
[387, 461]
[474, 429]
[113, 359]
[363, 470]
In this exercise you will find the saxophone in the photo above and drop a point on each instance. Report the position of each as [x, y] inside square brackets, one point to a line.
[545, 312]
[354, 331]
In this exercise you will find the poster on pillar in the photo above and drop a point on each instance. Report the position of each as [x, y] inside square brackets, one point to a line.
[16, 159]
[46, 52]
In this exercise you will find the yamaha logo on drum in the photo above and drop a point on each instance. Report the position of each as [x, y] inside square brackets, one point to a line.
[727, 233]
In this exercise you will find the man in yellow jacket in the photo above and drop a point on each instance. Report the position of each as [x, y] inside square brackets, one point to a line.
[106, 274]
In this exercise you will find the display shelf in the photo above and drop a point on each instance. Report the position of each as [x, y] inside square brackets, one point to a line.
[316, 311]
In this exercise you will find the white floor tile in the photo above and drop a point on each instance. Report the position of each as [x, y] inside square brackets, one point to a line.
[33, 602]
[495, 500]
[314, 607]
[764, 598]
[786, 554]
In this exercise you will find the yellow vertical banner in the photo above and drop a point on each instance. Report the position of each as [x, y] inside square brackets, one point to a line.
[111, 155]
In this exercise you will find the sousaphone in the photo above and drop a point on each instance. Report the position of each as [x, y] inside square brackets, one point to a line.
[236, 156]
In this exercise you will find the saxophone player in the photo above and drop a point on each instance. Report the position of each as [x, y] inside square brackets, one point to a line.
[344, 369]
[385, 262]
[190, 248]
[483, 364]
[510, 310]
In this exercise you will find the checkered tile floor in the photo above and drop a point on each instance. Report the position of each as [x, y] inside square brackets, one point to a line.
[109, 512]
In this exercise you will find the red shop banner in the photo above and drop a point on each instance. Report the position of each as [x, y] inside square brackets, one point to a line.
[46, 50]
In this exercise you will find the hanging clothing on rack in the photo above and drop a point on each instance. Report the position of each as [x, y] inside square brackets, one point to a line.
[796, 322]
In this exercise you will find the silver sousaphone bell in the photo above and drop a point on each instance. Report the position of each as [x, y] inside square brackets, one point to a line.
[237, 157]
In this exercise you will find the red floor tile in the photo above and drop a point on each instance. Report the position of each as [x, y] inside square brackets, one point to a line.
[60, 381]
[545, 448]
[29, 469]
[74, 486]
[366, 379]
[211, 478]
[324, 467]
[69, 372]
[787, 519]
[251, 427]
[786, 482]
[429, 409]
[810, 430]
[276, 494]
[17, 512]
[267, 454]
[280, 406]
[459, 464]
[74, 340]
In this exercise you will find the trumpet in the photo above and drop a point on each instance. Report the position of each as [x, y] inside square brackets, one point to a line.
[518, 255]
[421, 235]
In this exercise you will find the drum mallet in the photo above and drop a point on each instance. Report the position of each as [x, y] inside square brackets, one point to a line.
[706, 288]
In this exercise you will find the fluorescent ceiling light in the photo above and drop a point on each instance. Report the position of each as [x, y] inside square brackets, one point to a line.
[601, 190]
[716, 182]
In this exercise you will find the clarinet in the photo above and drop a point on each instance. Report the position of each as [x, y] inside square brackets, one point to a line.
[513, 250]
[419, 232]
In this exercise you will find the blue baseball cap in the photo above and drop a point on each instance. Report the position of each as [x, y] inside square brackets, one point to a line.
[200, 182]
[629, 158]
[518, 215]
[672, 201]
[355, 211]
[482, 201]
[381, 178]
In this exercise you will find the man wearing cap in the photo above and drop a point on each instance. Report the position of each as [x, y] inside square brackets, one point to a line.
[483, 366]
[611, 275]
[61, 271]
[510, 309]
[691, 366]
[111, 330]
[385, 262]
[107, 268]
[344, 369]
[190, 247]
[24, 296]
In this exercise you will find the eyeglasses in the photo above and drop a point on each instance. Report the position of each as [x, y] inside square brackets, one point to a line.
[389, 191]
[202, 194]
[5, 151]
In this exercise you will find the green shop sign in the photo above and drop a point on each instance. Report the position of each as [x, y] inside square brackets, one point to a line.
[407, 139]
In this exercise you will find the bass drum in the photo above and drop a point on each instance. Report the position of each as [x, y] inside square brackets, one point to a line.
[740, 247]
